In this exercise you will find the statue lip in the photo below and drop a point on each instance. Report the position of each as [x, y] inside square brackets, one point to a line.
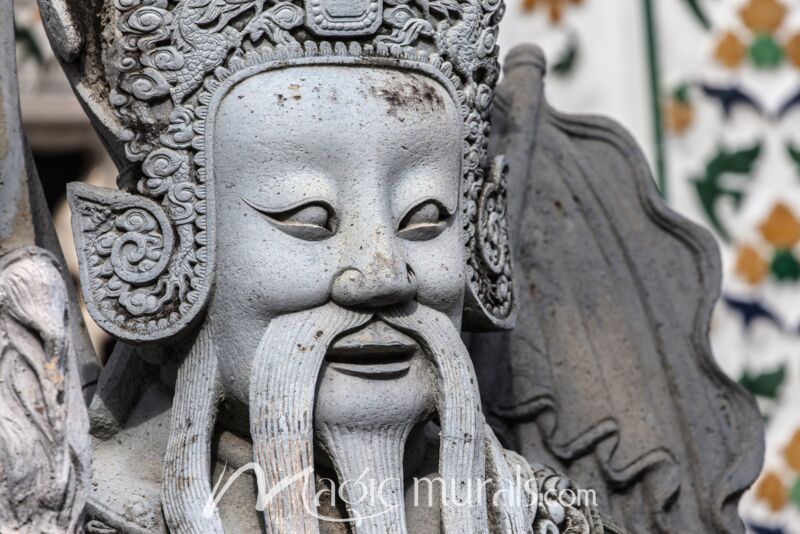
[375, 351]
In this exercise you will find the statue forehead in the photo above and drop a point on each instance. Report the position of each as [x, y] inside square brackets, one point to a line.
[357, 109]
[339, 92]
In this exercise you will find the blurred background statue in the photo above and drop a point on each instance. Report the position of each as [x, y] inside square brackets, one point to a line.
[44, 440]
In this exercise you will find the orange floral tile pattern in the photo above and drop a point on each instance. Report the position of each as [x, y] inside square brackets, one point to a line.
[793, 49]
[730, 50]
[750, 266]
[555, 7]
[764, 44]
[792, 452]
[679, 115]
[781, 229]
[763, 16]
[772, 491]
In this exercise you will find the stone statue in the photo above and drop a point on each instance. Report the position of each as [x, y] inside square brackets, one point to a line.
[316, 198]
[44, 429]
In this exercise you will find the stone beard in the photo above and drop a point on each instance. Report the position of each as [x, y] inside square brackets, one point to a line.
[365, 430]
[362, 223]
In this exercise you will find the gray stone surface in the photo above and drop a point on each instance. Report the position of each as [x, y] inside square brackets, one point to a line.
[45, 461]
[24, 216]
[609, 375]
[302, 232]
[44, 441]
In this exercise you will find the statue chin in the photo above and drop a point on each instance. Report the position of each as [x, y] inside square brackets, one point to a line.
[363, 424]
[357, 402]
[374, 377]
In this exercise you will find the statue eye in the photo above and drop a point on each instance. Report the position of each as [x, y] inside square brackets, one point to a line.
[312, 221]
[424, 221]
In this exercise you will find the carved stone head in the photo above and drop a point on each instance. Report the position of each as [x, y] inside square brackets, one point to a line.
[230, 110]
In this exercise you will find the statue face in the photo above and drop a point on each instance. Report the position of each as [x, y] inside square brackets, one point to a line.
[333, 183]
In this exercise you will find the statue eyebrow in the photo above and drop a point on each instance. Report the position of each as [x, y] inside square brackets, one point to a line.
[277, 210]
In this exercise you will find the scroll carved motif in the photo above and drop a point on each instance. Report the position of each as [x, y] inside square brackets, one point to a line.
[493, 242]
[344, 17]
[134, 265]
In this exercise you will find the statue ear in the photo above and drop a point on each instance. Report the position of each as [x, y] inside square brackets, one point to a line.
[489, 304]
[139, 281]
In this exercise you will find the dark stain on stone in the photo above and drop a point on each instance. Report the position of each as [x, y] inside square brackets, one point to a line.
[409, 93]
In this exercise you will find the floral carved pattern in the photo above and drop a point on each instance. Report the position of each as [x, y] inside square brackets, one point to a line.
[134, 263]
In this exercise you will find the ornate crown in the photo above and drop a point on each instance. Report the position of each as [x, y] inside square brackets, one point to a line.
[147, 258]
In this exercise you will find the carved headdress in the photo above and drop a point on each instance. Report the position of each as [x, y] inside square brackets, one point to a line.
[149, 256]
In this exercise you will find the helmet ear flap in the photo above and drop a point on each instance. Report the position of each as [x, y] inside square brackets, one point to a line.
[132, 272]
[490, 303]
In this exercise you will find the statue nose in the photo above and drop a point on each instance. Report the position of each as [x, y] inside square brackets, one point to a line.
[376, 288]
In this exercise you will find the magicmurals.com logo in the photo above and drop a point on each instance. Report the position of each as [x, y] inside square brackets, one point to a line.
[371, 494]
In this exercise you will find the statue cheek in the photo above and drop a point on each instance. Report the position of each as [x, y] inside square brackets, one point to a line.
[256, 282]
[261, 271]
[274, 277]
[441, 274]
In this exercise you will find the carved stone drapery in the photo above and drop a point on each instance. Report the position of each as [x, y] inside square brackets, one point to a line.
[44, 465]
[609, 375]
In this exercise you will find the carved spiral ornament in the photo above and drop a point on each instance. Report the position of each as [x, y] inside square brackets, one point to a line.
[141, 254]
[126, 247]
[492, 228]
[491, 267]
